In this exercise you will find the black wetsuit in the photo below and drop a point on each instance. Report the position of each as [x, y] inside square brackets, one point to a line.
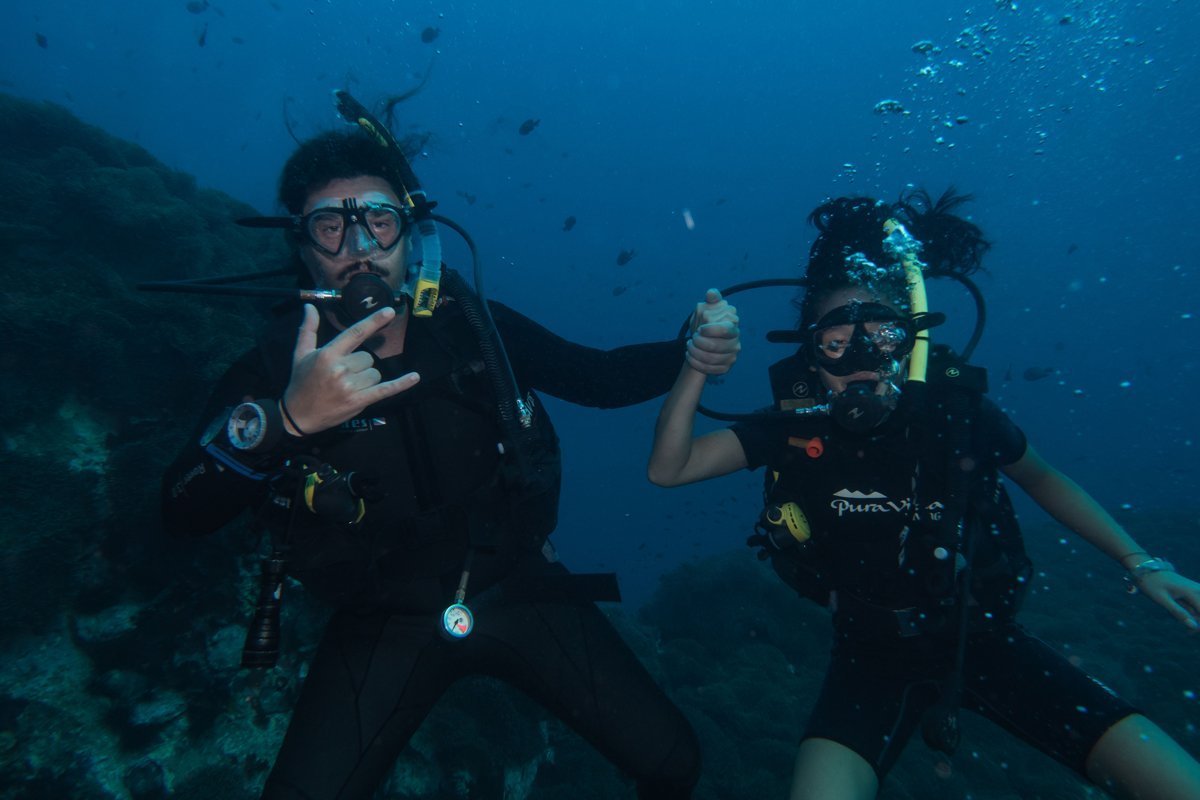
[432, 455]
[871, 501]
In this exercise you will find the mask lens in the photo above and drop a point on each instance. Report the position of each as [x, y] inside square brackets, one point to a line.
[326, 229]
[383, 225]
[832, 342]
[888, 337]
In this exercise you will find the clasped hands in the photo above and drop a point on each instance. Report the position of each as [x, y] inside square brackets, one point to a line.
[715, 340]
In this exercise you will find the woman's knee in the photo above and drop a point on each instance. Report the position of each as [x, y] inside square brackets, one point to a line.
[1136, 758]
[827, 770]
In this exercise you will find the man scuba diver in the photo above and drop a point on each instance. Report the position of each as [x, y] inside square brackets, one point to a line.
[884, 502]
[409, 477]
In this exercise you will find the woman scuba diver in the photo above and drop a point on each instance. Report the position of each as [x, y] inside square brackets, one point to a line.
[884, 502]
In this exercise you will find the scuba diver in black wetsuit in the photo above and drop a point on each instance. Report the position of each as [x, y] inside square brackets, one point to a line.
[410, 485]
[883, 502]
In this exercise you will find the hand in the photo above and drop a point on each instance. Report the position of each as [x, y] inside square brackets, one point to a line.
[1177, 594]
[333, 383]
[715, 340]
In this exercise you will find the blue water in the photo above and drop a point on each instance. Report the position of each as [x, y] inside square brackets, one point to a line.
[1078, 136]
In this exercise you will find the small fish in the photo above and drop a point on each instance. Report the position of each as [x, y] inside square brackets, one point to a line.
[470, 198]
[1008, 374]
[1071, 248]
[238, 40]
[429, 34]
[568, 223]
[619, 290]
[197, 6]
[42, 41]
[625, 256]
[1037, 373]
[203, 36]
[527, 126]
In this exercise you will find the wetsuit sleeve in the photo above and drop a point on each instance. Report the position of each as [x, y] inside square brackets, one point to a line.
[207, 485]
[762, 442]
[1001, 438]
[585, 375]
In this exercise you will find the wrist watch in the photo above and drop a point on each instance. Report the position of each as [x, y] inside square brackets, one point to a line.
[254, 426]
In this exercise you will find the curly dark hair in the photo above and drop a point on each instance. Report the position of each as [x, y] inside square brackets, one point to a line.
[849, 249]
[330, 156]
[949, 242]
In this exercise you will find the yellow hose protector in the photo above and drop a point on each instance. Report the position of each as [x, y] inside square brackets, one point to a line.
[899, 242]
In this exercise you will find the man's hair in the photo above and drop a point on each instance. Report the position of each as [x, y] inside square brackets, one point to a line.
[849, 252]
[330, 156]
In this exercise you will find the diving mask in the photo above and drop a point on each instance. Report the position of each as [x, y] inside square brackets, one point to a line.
[862, 337]
[380, 224]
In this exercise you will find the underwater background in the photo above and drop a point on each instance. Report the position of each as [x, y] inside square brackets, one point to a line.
[612, 161]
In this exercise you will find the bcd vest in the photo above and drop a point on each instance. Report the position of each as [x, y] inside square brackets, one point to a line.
[893, 515]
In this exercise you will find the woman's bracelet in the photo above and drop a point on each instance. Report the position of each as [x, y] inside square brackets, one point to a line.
[1144, 568]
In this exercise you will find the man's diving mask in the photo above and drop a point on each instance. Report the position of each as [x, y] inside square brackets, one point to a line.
[862, 337]
[328, 228]
[365, 224]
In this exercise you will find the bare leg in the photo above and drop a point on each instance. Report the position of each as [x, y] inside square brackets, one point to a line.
[1136, 759]
[826, 770]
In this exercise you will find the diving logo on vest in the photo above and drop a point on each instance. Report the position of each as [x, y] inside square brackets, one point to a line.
[849, 501]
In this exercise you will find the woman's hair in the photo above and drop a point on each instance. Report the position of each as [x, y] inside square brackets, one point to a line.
[849, 249]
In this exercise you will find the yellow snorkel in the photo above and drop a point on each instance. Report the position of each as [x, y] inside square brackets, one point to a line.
[901, 244]
[426, 244]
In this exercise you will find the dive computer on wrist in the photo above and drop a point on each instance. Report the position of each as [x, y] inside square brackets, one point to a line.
[254, 426]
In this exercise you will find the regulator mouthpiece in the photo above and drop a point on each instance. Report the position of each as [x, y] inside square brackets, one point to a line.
[859, 409]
